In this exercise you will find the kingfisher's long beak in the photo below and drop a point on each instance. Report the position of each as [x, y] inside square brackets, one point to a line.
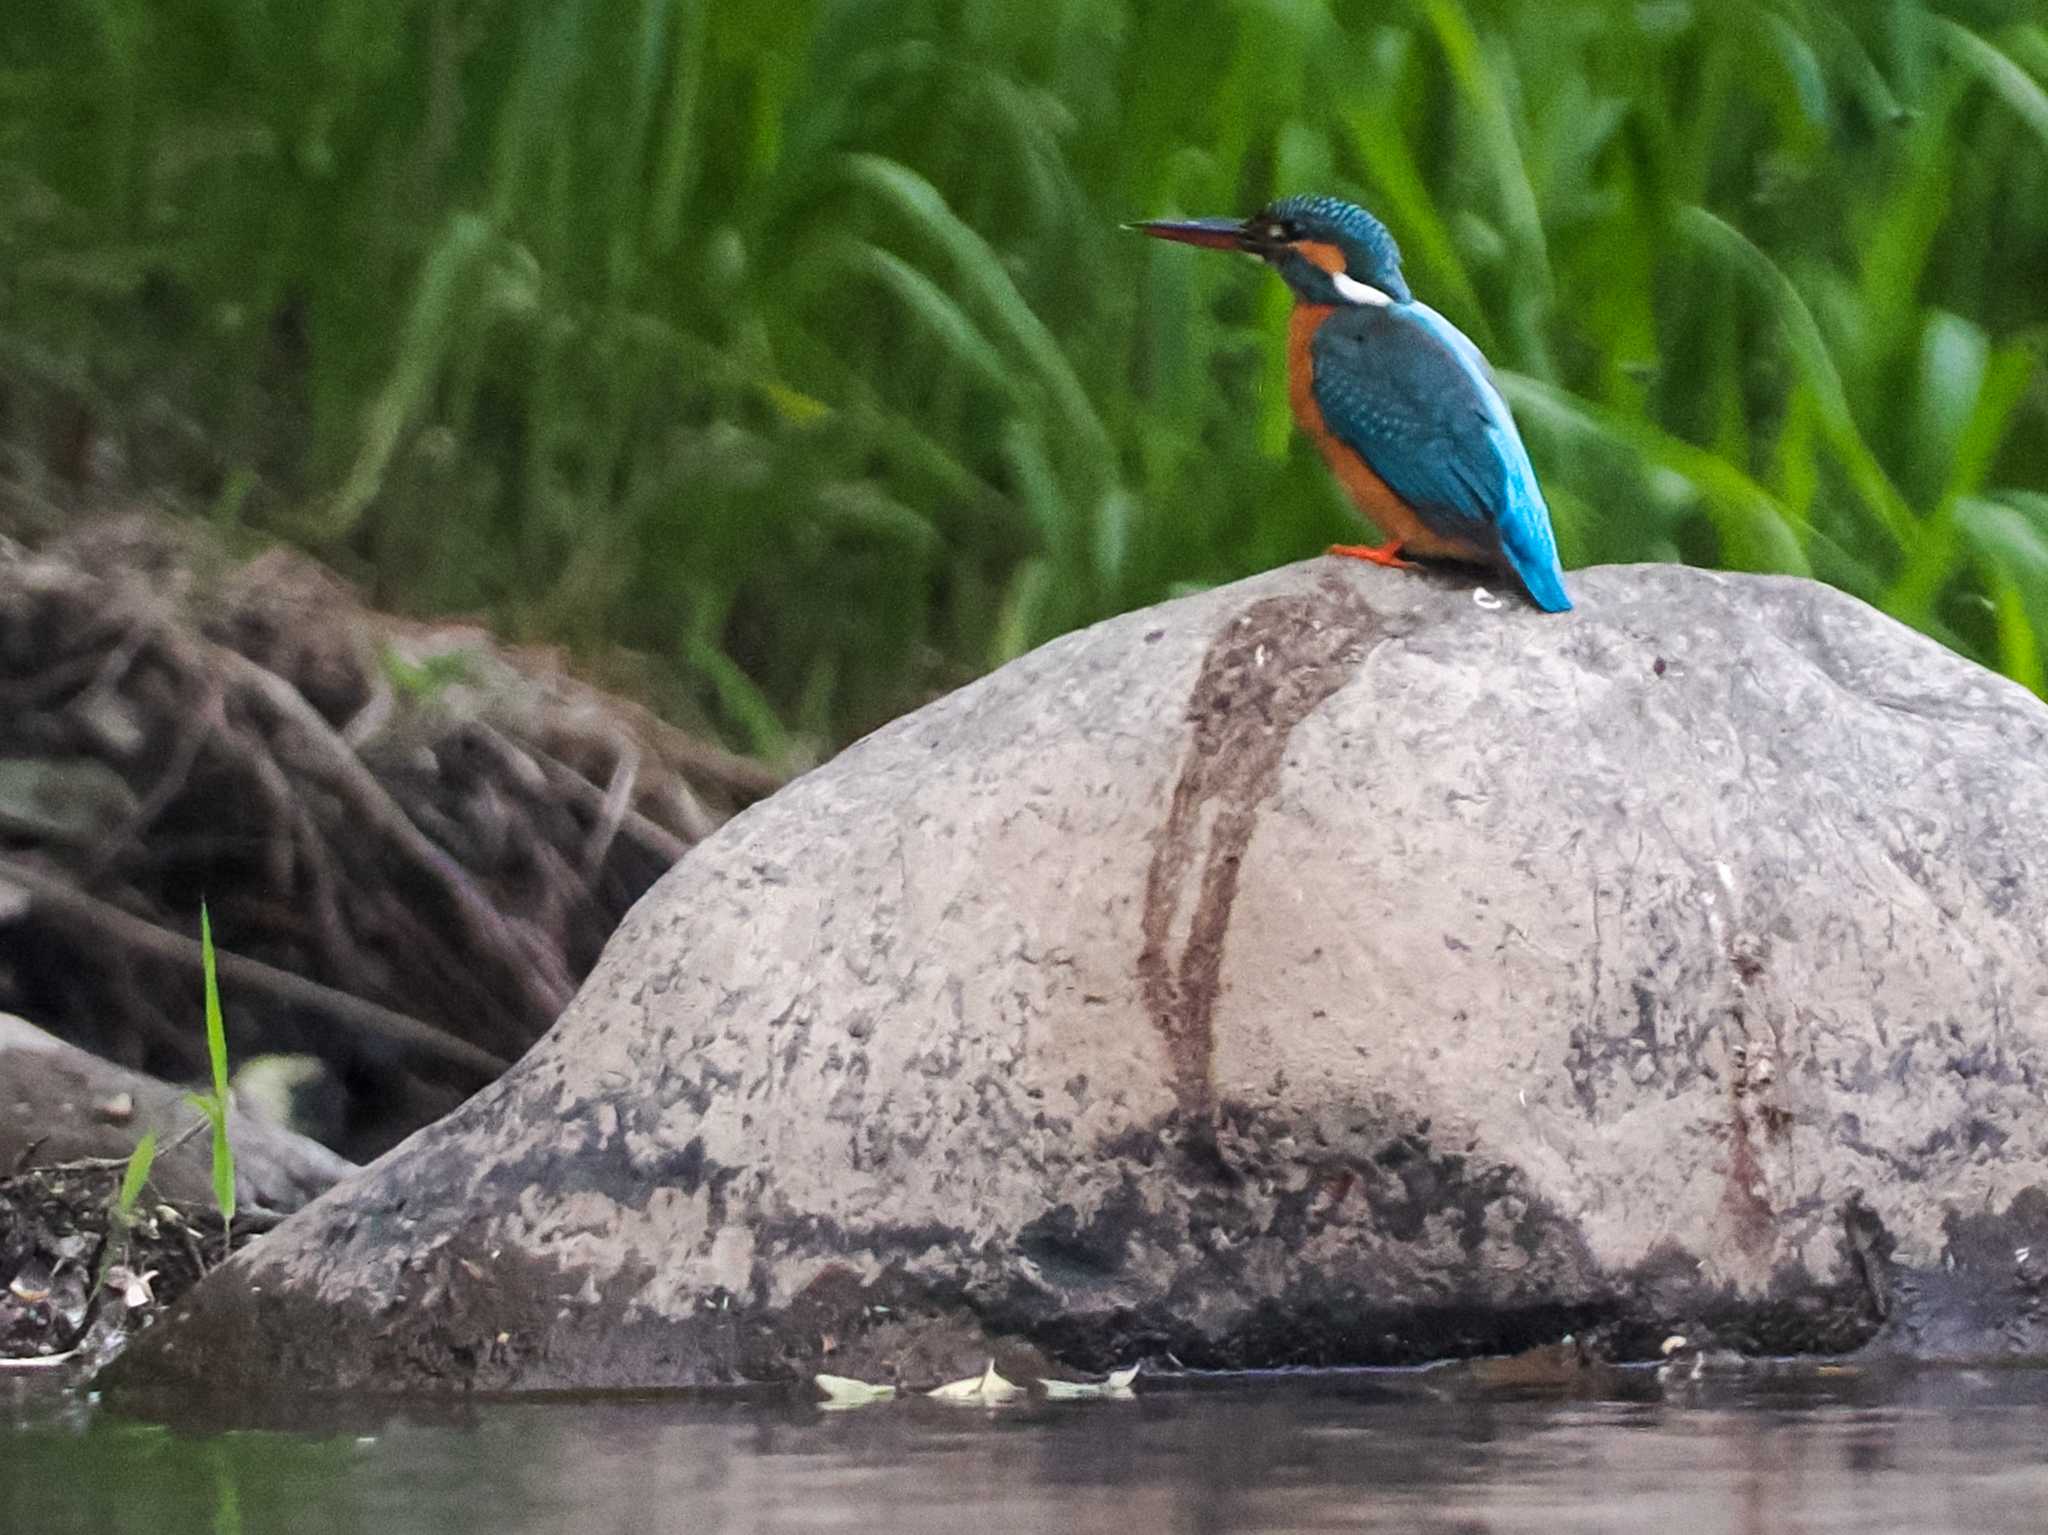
[1214, 234]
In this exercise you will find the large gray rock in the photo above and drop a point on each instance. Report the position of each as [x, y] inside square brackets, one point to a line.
[1331, 967]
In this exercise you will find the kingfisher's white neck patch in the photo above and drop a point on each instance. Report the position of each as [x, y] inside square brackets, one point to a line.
[1352, 291]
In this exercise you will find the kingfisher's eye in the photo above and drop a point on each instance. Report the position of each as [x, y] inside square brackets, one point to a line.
[1278, 232]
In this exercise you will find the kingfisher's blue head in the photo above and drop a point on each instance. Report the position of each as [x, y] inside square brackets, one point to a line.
[1328, 251]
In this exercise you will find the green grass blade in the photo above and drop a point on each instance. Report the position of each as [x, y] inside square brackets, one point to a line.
[1932, 563]
[982, 273]
[223, 1170]
[216, 1106]
[1997, 69]
[136, 1176]
[2019, 640]
[678, 155]
[1481, 87]
[1020, 622]
[958, 336]
[1815, 364]
[422, 353]
[760, 728]
[216, 1028]
[2014, 549]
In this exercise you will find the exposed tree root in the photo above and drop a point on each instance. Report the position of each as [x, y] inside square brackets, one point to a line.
[413, 841]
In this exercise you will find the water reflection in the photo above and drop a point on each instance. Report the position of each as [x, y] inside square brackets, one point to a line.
[1916, 1453]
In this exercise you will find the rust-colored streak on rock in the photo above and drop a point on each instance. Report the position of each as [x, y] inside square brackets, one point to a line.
[1268, 670]
[1745, 1200]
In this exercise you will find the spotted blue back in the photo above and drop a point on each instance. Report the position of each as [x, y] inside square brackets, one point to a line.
[1408, 391]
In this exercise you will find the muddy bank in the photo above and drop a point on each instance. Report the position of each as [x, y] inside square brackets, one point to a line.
[81, 1281]
[79, 1276]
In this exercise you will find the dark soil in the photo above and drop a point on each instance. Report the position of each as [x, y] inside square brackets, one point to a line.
[84, 1283]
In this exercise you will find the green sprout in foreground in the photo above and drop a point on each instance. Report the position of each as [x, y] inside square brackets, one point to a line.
[214, 1105]
[140, 1161]
[121, 1212]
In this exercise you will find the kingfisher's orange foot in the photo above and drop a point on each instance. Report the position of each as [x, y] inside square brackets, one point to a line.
[1388, 554]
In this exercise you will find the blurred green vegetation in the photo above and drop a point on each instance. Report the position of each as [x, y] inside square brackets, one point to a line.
[796, 344]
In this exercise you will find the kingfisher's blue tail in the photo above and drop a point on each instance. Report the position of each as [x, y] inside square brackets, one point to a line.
[1526, 542]
[1532, 555]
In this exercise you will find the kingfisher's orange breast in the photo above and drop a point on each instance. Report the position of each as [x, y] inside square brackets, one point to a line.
[1372, 495]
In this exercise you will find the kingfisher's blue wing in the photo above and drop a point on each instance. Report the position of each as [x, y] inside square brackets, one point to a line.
[1408, 391]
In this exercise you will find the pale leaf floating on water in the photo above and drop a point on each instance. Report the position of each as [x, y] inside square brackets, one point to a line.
[986, 1388]
[844, 1391]
[1117, 1388]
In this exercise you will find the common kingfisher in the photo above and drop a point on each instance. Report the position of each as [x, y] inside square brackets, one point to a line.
[1400, 401]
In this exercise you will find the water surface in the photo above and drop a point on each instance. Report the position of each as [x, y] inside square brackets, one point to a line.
[1922, 1452]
